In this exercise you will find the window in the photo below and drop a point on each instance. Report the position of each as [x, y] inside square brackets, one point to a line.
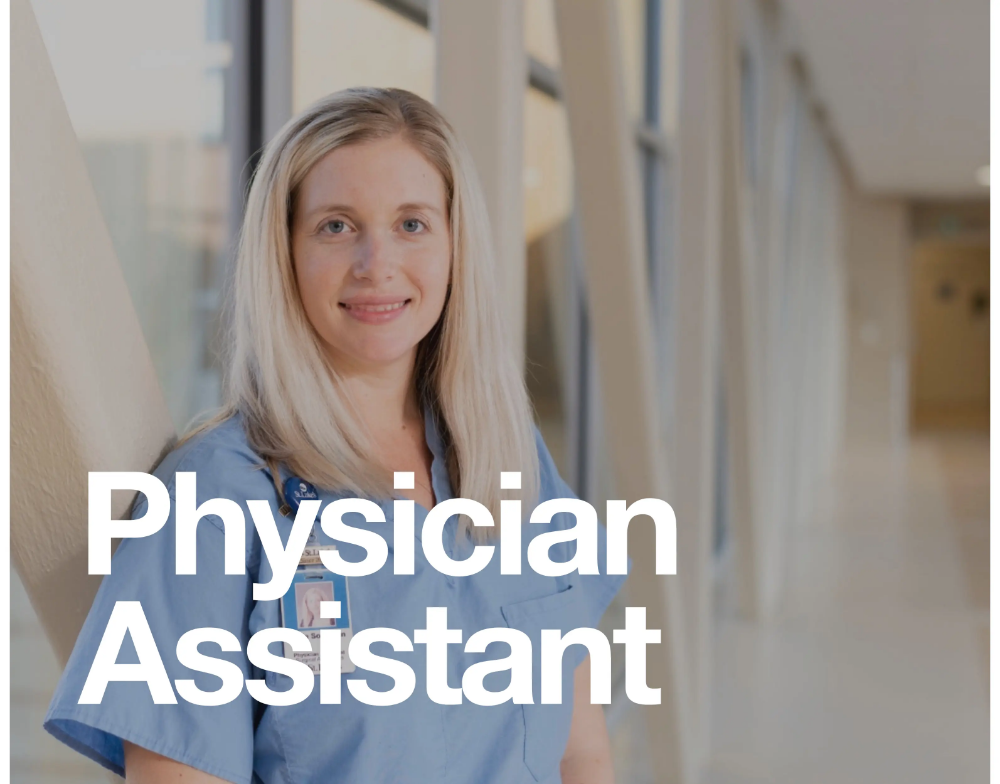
[560, 368]
[144, 87]
[649, 39]
[384, 48]
[552, 302]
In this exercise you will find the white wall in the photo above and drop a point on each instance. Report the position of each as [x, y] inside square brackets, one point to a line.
[877, 251]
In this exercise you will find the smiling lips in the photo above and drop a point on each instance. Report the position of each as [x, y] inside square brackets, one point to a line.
[375, 311]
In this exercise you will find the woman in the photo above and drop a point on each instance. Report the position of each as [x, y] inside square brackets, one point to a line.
[309, 616]
[365, 341]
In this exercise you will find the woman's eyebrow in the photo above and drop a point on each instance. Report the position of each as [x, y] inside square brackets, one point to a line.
[410, 205]
[419, 205]
[328, 208]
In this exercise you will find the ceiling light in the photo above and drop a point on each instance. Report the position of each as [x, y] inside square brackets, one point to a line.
[983, 175]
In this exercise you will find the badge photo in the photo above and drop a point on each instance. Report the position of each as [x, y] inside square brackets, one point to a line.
[300, 609]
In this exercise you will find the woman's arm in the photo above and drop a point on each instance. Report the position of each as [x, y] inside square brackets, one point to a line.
[143, 766]
[587, 759]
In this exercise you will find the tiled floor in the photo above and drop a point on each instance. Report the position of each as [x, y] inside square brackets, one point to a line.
[35, 756]
[874, 668]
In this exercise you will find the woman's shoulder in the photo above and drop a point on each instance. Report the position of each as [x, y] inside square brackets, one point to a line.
[221, 458]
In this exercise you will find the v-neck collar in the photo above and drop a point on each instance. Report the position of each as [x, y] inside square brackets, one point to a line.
[440, 481]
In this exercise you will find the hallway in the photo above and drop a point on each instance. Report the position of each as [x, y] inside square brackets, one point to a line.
[875, 669]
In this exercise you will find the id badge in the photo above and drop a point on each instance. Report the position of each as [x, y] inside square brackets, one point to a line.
[314, 583]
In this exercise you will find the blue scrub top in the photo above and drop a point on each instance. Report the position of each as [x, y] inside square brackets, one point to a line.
[245, 741]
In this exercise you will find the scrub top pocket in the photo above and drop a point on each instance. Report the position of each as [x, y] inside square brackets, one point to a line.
[546, 727]
[355, 742]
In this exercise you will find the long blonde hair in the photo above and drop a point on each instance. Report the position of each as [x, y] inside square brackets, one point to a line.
[295, 407]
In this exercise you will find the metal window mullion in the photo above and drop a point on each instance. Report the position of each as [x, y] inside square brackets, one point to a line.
[544, 78]
[417, 11]
[651, 62]
[255, 85]
[650, 205]
[577, 370]
[649, 139]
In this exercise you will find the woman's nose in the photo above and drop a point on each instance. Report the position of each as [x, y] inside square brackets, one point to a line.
[376, 261]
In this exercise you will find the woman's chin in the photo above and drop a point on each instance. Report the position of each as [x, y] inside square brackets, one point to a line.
[383, 356]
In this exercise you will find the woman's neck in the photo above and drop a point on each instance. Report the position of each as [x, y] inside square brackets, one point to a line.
[386, 400]
[385, 397]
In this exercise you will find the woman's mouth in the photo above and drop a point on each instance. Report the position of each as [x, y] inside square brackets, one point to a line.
[375, 312]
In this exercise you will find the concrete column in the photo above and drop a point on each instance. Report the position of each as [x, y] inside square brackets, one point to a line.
[84, 395]
[480, 83]
[696, 314]
[604, 158]
[740, 328]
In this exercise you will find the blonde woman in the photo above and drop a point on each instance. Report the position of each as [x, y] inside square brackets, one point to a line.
[365, 341]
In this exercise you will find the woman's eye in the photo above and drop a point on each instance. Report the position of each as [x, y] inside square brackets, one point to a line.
[336, 226]
[412, 225]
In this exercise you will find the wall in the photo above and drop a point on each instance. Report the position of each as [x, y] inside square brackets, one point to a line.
[877, 252]
[951, 340]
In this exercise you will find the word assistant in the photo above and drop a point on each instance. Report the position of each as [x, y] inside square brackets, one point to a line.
[285, 558]
[128, 618]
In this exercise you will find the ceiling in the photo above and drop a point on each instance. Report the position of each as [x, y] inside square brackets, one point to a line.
[906, 87]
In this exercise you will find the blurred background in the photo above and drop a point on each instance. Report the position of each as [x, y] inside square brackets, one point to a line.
[803, 230]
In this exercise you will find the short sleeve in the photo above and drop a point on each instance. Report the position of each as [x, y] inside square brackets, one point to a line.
[217, 740]
[596, 590]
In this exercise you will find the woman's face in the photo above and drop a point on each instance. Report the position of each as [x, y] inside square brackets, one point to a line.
[312, 602]
[372, 249]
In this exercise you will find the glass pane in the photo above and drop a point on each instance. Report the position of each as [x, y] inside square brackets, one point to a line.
[748, 115]
[380, 49]
[548, 203]
[540, 37]
[143, 83]
[632, 29]
[548, 165]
